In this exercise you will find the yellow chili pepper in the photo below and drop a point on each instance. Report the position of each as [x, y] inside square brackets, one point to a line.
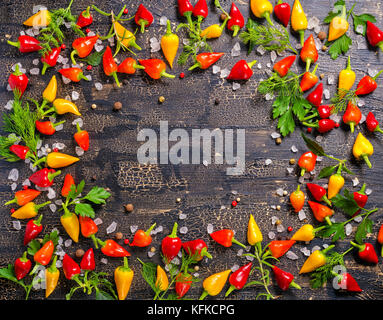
[335, 183]
[52, 275]
[39, 19]
[362, 149]
[162, 281]
[346, 79]
[214, 284]
[50, 92]
[299, 20]
[123, 277]
[71, 224]
[254, 234]
[125, 36]
[28, 210]
[62, 106]
[169, 45]
[338, 25]
[262, 9]
[315, 260]
[305, 233]
[214, 31]
[57, 160]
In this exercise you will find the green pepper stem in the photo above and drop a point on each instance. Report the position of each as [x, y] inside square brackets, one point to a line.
[295, 285]
[203, 295]
[194, 66]
[315, 69]
[238, 243]
[365, 158]
[230, 290]
[167, 75]
[362, 190]
[235, 30]
[377, 75]
[308, 64]
[147, 232]
[114, 74]
[325, 199]
[266, 15]
[52, 175]
[138, 66]
[72, 54]
[188, 17]
[327, 219]
[252, 63]
[38, 221]
[348, 63]
[174, 231]
[39, 206]
[11, 201]
[58, 123]
[36, 163]
[93, 237]
[133, 44]
[302, 36]
[100, 11]
[14, 43]
[45, 66]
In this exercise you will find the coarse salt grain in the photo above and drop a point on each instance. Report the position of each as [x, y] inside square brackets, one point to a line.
[133, 228]
[210, 228]
[112, 227]
[291, 255]
[183, 230]
[13, 174]
[16, 224]
[98, 221]
[268, 162]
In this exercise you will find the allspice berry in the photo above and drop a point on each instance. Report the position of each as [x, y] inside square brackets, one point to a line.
[129, 207]
[278, 140]
[324, 48]
[223, 16]
[118, 235]
[292, 161]
[161, 99]
[322, 35]
[79, 253]
[117, 106]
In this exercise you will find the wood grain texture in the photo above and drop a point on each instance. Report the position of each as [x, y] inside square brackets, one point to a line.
[203, 189]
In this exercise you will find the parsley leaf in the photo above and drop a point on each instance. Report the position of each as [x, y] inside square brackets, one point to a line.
[84, 210]
[286, 123]
[97, 195]
[336, 231]
[326, 172]
[361, 20]
[340, 46]
[337, 9]
[363, 228]
[346, 204]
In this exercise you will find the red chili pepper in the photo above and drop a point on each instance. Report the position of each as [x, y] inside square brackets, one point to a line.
[372, 123]
[325, 111]
[241, 70]
[44, 177]
[171, 245]
[380, 239]
[85, 18]
[374, 35]
[279, 247]
[366, 252]
[315, 97]
[239, 278]
[348, 283]
[318, 192]
[352, 116]
[82, 138]
[83, 47]
[309, 80]
[18, 81]
[68, 183]
[283, 12]
[283, 66]
[360, 198]
[225, 237]
[200, 10]
[88, 229]
[196, 248]
[367, 84]
[129, 66]
[32, 230]
[236, 21]
[87, 261]
[70, 267]
[20, 151]
[22, 266]
[44, 254]
[307, 162]
[50, 59]
[183, 284]
[74, 74]
[309, 52]
[142, 238]
[206, 59]
[284, 279]
[24, 196]
[112, 249]
[110, 66]
[321, 212]
[155, 68]
[325, 125]
[143, 17]
[47, 127]
[185, 8]
[26, 44]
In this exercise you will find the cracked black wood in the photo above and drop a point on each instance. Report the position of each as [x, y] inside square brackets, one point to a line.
[203, 190]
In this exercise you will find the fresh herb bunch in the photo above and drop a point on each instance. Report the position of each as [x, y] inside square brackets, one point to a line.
[52, 35]
[270, 38]
[289, 103]
[342, 98]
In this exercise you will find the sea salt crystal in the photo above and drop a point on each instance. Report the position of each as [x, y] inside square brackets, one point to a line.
[13, 186]
[268, 65]
[34, 71]
[280, 228]
[249, 258]
[301, 180]
[210, 228]
[239, 252]
[16, 224]
[13, 174]
[289, 170]
[163, 21]
[26, 182]
[315, 248]
[9, 105]
[79, 151]
[275, 135]
[59, 127]
[236, 86]
[312, 23]
[361, 103]
[104, 260]
[182, 216]
[271, 235]
[112, 227]
[317, 29]
[372, 72]
[355, 182]
[274, 219]
[273, 56]
[335, 118]
[159, 229]
[269, 96]
[58, 145]
[65, 80]
[90, 34]
[98, 47]
[358, 219]
[362, 119]
[52, 207]
[294, 148]
[261, 50]
[224, 73]
[155, 47]
[348, 229]
[368, 191]
[133, 228]
[279, 192]
[59, 202]
[236, 50]
[151, 254]
[98, 221]
[38, 7]
[75, 95]
[291, 255]
[268, 162]
[183, 230]
[51, 193]
[216, 69]
[305, 251]
[35, 62]
[361, 43]
[98, 86]
[319, 138]
[331, 79]
[360, 29]
[326, 94]
[301, 215]
[68, 242]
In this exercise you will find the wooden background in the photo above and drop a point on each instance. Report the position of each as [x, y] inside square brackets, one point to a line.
[203, 189]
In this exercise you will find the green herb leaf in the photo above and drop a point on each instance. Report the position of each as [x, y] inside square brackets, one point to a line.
[33, 247]
[345, 204]
[336, 231]
[300, 107]
[363, 229]
[335, 12]
[323, 274]
[286, 123]
[84, 210]
[340, 46]
[361, 20]
[326, 172]
[313, 146]
[94, 59]
[97, 195]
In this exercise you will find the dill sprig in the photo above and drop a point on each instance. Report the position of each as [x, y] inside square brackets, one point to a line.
[52, 35]
[342, 98]
[269, 37]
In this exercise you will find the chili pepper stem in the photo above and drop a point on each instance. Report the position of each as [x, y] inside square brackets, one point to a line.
[230, 290]
[327, 219]
[267, 17]
[238, 243]
[150, 229]
[114, 74]
[194, 66]
[203, 295]
[38, 206]
[72, 54]
[302, 36]
[352, 126]
[167, 75]
[14, 43]
[39, 161]
[236, 30]
[188, 16]
[325, 199]
[51, 175]
[137, 66]
[308, 64]
[377, 75]
[93, 237]
[295, 285]
[45, 66]
[367, 161]
[11, 201]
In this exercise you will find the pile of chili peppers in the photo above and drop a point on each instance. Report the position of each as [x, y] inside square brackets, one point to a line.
[172, 246]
